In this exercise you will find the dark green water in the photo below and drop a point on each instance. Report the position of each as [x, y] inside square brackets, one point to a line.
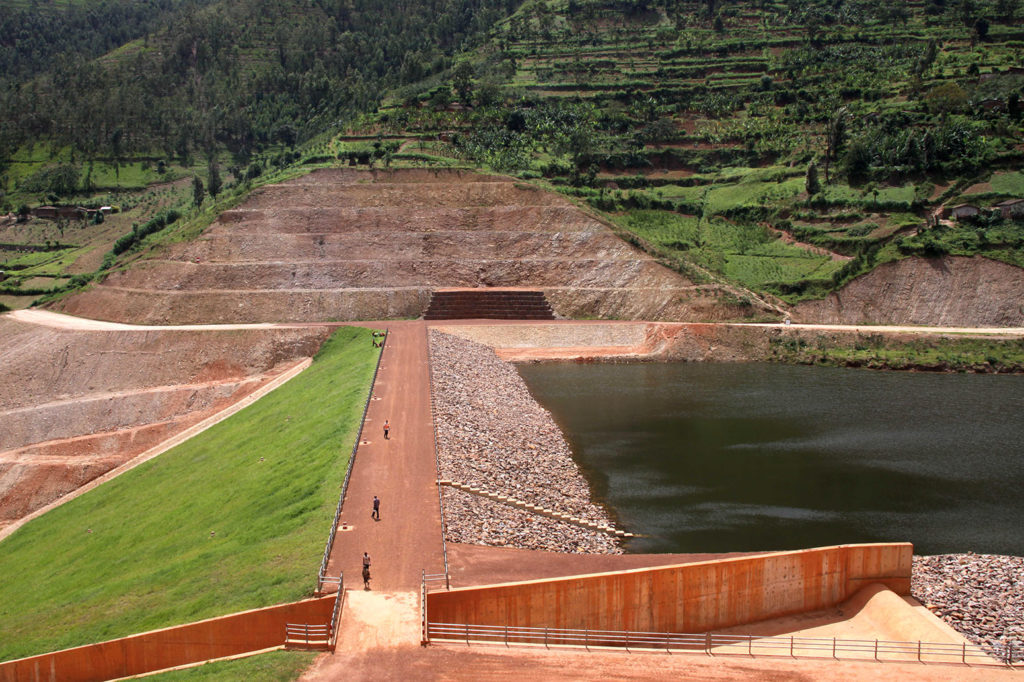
[730, 457]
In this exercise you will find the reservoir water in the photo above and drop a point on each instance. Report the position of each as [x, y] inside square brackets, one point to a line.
[732, 457]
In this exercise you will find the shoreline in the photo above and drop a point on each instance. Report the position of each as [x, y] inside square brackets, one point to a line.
[494, 437]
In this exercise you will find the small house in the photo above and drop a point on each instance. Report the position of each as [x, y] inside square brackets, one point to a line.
[1011, 208]
[992, 105]
[961, 211]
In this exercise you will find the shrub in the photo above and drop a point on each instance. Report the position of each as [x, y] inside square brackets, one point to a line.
[139, 233]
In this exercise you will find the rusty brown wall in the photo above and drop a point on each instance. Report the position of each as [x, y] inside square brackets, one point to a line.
[215, 638]
[684, 598]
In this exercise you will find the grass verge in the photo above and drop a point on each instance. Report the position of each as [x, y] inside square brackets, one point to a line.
[876, 351]
[233, 519]
[275, 666]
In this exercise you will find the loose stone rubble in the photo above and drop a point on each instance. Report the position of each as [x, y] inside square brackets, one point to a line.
[979, 595]
[493, 435]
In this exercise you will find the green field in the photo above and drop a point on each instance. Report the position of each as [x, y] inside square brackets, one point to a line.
[1011, 184]
[233, 519]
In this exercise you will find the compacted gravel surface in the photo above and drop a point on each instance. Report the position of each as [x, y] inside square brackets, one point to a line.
[979, 595]
[492, 434]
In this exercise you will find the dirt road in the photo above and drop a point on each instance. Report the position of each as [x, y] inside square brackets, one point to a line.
[400, 470]
[61, 321]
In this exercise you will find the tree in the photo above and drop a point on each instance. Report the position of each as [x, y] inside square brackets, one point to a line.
[811, 183]
[946, 98]
[857, 162]
[835, 138]
[213, 179]
[197, 190]
[981, 28]
[462, 81]
[286, 134]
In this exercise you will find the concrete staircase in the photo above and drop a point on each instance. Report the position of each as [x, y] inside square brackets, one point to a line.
[488, 304]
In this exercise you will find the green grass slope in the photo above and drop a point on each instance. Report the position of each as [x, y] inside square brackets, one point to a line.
[271, 667]
[231, 520]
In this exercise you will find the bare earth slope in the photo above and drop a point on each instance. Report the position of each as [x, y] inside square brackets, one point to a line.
[950, 291]
[76, 404]
[350, 245]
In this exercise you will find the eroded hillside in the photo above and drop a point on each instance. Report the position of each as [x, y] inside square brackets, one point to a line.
[350, 245]
[76, 404]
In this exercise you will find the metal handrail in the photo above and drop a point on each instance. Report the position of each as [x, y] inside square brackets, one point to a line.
[424, 623]
[306, 633]
[321, 575]
[336, 612]
[715, 644]
[437, 464]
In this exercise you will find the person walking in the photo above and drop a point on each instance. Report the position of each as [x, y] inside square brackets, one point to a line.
[376, 508]
[387, 429]
[366, 571]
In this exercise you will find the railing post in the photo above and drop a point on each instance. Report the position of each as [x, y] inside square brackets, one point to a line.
[586, 639]
[876, 649]
[834, 649]
[963, 656]
[791, 646]
[1009, 652]
[707, 643]
[919, 651]
[750, 646]
[546, 638]
[467, 634]
[506, 635]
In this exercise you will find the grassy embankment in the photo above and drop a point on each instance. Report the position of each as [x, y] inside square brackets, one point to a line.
[940, 354]
[233, 519]
[270, 667]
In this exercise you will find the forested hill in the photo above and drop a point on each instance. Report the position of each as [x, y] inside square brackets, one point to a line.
[34, 34]
[195, 76]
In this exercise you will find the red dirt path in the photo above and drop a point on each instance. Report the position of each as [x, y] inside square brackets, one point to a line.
[401, 471]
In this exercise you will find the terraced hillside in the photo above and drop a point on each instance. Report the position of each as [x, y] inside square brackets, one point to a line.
[786, 147]
[344, 245]
[76, 404]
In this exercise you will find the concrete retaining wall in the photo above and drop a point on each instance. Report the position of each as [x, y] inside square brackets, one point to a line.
[214, 638]
[685, 598]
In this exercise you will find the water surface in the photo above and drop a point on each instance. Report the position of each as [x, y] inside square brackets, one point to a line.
[732, 457]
